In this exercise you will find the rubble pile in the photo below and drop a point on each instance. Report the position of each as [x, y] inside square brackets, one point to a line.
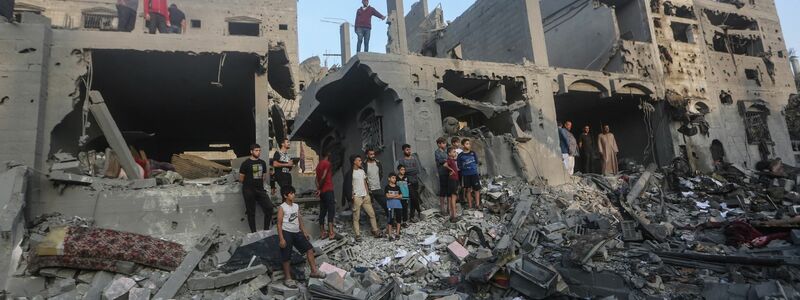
[733, 234]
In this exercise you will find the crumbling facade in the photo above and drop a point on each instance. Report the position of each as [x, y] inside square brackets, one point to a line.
[706, 80]
[167, 93]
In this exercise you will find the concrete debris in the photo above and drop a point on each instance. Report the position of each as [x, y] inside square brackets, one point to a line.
[118, 288]
[179, 276]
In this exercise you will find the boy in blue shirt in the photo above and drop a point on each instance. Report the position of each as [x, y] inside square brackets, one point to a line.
[393, 207]
[470, 179]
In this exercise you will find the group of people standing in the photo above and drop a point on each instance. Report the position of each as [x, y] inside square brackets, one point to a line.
[457, 166]
[157, 15]
[587, 150]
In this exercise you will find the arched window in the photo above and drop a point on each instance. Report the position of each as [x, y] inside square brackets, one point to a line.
[371, 129]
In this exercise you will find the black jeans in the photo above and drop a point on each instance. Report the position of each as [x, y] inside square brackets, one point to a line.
[327, 207]
[253, 196]
[379, 197]
[283, 181]
[157, 21]
[126, 18]
[413, 191]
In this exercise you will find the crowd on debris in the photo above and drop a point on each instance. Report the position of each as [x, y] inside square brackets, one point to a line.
[643, 234]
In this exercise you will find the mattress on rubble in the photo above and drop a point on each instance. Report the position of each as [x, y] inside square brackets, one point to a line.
[103, 249]
[195, 167]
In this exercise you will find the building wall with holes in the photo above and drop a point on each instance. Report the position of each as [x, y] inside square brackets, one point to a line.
[23, 96]
[726, 74]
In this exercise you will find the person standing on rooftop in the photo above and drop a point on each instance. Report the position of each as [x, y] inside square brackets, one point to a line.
[364, 16]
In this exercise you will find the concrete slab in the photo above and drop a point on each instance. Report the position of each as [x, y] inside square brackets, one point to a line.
[114, 137]
[179, 276]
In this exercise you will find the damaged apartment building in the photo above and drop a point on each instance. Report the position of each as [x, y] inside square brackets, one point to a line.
[70, 84]
[703, 79]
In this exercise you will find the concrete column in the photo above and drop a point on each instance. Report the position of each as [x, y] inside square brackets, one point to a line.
[537, 32]
[795, 61]
[398, 41]
[262, 111]
[344, 39]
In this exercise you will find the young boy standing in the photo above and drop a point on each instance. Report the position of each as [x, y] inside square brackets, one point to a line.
[402, 183]
[455, 142]
[393, 207]
[440, 155]
[292, 234]
[452, 182]
[471, 180]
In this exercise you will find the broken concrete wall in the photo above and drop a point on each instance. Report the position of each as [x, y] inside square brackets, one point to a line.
[411, 114]
[570, 23]
[179, 213]
[718, 77]
[422, 28]
[23, 88]
[494, 31]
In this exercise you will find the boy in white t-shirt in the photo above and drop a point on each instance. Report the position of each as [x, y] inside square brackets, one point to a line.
[292, 234]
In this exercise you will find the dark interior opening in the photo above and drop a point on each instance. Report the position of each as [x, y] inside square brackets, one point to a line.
[680, 11]
[752, 74]
[246, 29]
[197, 23]
[179, 98]
[682, 32]
[717, 151]
[622, 114]
[486, 91]
[632, 20]
[738, 44]
[730, 20]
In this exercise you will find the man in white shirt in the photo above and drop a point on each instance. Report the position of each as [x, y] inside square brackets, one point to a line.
[361, 199]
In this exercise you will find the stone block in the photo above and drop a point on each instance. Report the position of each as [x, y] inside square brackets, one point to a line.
[328, 268]
[458, 251]
[25, 286]
[240, 275]
[71, 295]
[335, 281]
[222, 257]
[86, 276]
[555, 227]
[118, 288]
[200, 283]
[139, 294]
[61, 286]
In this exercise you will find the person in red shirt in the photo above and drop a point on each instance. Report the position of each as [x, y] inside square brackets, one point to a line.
[364, 24]
[327, 199]
[156, 14]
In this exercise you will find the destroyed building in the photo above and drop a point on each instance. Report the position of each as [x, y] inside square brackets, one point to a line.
[707, 80]
[701, 79]
[165, 94]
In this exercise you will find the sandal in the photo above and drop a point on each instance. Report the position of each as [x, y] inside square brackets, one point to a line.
[358, 238]
[323, 235]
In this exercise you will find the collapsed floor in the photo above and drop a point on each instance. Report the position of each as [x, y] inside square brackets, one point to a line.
[734, 234]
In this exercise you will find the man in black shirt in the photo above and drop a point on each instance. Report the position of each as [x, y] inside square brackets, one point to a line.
[283, 165]
[177, 19]
[7, 10]
[251, 175]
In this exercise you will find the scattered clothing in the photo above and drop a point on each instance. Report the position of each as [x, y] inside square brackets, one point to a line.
[607, 145]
